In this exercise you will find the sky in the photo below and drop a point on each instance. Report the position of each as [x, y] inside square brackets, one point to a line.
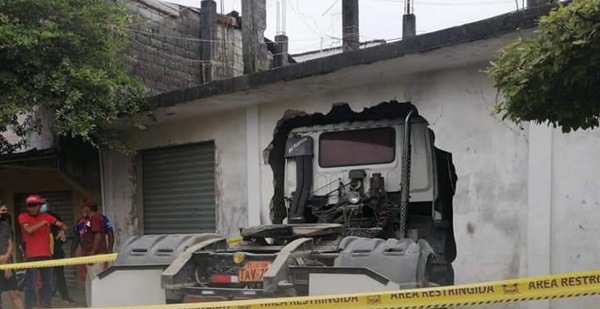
[315, 24]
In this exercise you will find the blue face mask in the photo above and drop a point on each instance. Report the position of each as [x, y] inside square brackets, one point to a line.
[44, 208]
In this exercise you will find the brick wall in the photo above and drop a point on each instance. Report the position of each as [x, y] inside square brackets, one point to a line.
[228, 57]
[165, 51]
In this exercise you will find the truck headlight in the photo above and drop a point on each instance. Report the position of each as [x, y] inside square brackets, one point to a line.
[353, 197]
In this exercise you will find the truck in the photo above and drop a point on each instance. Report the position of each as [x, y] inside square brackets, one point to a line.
[362, 202]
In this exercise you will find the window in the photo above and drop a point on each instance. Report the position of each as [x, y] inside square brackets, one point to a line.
[357, 147]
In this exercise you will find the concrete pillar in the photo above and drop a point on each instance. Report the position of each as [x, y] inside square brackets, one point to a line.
[351, 35]
[281, 51]
[253, 162]
[254, 23]
[208, 24]
[539, 207]
[409, 26]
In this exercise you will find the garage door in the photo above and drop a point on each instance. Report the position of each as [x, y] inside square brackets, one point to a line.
[61, 204]
[178, 188]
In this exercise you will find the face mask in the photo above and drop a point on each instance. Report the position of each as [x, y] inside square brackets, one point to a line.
[44, 208]
[4, 217]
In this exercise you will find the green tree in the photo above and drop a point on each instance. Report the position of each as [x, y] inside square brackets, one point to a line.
[554, 77]
[65, 57]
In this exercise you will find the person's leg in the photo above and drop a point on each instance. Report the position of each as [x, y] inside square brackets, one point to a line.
[30, 278]
[46, 287]
[3, 283]
[38, 290]
[92, 272]
[61, 282]
[15, 298]
[88, 285]
[12, 286]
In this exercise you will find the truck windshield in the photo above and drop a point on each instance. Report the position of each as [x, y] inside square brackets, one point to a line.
[357, 147]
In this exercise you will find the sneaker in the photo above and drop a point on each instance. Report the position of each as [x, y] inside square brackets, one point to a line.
[68, 301]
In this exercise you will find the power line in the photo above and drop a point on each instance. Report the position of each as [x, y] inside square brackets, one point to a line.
[302, 19]
[197, 40]
[331, 7]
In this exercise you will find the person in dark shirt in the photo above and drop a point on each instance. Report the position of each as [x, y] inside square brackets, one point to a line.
[8, 280]
[59, 253]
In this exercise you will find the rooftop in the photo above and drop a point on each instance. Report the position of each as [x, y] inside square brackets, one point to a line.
[487, 29]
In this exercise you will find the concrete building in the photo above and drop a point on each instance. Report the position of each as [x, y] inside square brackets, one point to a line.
[166, 54]
[526, 197]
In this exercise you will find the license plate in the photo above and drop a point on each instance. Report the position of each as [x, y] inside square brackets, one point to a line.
[253, 271]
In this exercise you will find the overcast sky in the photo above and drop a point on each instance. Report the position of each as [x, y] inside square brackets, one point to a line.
[314, 24]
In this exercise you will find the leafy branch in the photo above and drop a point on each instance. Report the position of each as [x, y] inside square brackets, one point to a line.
[64, 57]
[554, 77]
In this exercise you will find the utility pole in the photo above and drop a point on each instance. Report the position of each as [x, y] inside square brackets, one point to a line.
[254, 15]
[208, 24]
[280, 58]
[409, 21]
[351, 37]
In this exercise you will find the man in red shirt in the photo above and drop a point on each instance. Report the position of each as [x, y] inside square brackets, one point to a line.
[35, 228]
[93, 242]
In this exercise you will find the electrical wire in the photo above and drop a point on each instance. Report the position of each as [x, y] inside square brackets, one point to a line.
[331, 7]
[302, 16]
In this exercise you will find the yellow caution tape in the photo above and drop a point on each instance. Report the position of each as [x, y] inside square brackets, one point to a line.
[521, 290]
[79, 260]
[63, 262]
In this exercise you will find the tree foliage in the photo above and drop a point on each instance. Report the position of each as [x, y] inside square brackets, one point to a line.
[64, 57]
[554, 77]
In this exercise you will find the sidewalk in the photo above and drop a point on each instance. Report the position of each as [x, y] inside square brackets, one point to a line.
[78, 295]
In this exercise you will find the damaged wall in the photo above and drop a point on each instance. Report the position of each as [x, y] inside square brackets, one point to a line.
[490, 158]
[490, 202]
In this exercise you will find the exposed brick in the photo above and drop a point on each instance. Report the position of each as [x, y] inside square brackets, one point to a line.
[164, 61]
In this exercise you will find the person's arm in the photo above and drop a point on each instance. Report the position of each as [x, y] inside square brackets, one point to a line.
[29, 229]
[62, 234]
[111, 242]
[110, 234]
[6, 257]
[63, 227]
[75, 243]
[9, 252]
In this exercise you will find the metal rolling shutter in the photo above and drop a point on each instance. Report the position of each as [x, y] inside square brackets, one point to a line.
[61, 203]
[178, 189]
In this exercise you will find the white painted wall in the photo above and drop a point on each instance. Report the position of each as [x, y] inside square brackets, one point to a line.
[527, 198]
[227, 129]
[575, 208]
